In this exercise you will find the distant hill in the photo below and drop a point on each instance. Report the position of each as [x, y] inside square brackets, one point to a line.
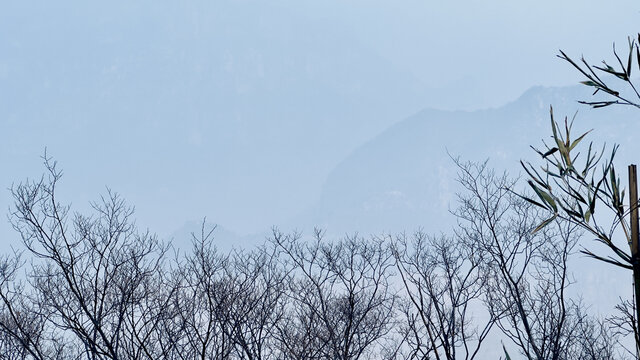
[405, 179]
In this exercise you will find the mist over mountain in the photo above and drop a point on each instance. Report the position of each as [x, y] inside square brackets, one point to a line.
[405, 178]
[188, 114]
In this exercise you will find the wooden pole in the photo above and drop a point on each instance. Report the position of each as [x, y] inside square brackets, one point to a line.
[633, 207]
[634, 243]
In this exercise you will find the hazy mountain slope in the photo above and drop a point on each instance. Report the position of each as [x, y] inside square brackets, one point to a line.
[404, 178]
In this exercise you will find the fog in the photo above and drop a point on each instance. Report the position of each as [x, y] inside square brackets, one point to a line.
[245, 112]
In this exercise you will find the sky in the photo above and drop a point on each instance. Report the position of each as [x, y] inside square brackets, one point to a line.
[239, 110]
[487, 51]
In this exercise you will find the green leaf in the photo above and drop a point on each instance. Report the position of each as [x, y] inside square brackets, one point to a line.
[588, 162]
[602, 104]
[506, 354]
[553, 125]
[531, 201]
[570, 211]
[592, 199]
[638, 53]
[564, 151]
[544, 196]
[550, 152]
[543, 224]
[535, 178]
[630, 57]
[589, 83]
[577, 141]
[612, 71]
[614, 185]
[576, 195]
[590, 202]
[587, 216]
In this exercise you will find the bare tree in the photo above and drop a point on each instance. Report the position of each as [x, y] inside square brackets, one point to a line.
[259, 302]
[89, 273]
[24, 332]
[227, 305]
[526, 272]
[202, 304]
[342, 300]
[444, 288]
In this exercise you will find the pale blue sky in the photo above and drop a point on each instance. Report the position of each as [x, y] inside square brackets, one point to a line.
[239, 110]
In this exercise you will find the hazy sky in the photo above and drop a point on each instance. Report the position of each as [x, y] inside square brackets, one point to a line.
[490, 51]
[238, 110]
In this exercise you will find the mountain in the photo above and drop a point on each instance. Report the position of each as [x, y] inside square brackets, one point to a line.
[405, 178]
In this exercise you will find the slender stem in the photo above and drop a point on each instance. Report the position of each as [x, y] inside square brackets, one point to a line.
[633, 213]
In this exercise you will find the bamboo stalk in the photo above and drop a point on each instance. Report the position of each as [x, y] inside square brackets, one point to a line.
[634, 243]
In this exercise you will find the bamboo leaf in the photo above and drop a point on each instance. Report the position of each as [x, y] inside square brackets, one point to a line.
[564, 152]
[571, 212]
[543, 224]
[550, 152]
[630, 57]
[553, 125]
[592, 203]
[536, 178]
[614, 185]
[576, 194]
[544, 196]
[566, 129]
[506, 354]
[603, 104]
[577, 141]
[638, 53]
[607, 260]
[588, 162]
[589, 83]
[612, 71]
[531, 201]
